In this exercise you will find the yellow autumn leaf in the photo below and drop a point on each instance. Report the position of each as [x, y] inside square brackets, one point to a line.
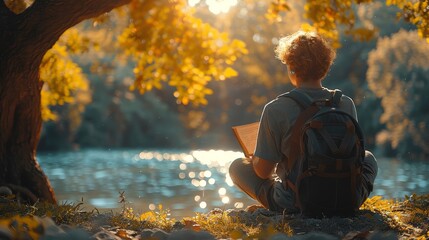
[229, 72]
[148, 216]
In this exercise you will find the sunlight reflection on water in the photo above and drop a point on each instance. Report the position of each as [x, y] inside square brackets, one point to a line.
[182, 182]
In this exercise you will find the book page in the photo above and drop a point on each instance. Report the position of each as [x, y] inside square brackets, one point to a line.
[247, 136]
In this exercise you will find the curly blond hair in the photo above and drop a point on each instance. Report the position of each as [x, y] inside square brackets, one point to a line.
[307, 55]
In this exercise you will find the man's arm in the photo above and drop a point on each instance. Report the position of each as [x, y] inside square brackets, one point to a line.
[263, 168]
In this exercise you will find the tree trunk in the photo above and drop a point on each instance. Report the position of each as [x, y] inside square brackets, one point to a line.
[24, 40]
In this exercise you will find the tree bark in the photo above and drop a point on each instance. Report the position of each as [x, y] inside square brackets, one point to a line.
[24, 40]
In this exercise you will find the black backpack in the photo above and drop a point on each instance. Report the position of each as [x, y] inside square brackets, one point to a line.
[326, 153]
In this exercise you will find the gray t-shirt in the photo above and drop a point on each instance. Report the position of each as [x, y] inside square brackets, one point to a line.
[277, 121]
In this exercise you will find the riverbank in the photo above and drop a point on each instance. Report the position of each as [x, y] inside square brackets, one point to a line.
[378, 219]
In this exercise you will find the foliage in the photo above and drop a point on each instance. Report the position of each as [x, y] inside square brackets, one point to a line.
[166, 41]
[330, 17]
[248, 23]
[398, 75]
[65, 213]
[223, 226]
[419, 206]
[63, 79]
[409, 218]
[116, 117]
[415, 12]
[110, 73]
[170, 45]
[120, 118]
[159, 218]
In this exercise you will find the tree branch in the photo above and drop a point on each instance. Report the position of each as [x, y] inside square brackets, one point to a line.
[49, 19]
[75, 11]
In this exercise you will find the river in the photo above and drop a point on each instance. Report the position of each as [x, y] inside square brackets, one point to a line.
[182, 181]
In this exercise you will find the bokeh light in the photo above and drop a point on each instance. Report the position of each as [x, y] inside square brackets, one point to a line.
[228, 180]
[216, 6]
[220, 6]
[207, 174]
[222, 191]
[152, 206]
[195, 182]
[182, 166]
[192, 3]
[203, 204]
[238, 205]
[212, 181]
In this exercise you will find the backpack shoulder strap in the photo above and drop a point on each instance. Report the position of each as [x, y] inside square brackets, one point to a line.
[336, 97]
[294, 140]
[308, 110]
[303, 100]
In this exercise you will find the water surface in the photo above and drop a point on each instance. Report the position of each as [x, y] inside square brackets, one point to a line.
[184, 182]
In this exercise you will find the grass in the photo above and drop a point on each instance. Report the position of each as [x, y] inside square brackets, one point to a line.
[408, 218]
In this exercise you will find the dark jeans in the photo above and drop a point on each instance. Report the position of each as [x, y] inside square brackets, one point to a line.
[272, 194]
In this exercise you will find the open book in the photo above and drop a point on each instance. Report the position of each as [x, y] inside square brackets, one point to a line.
[247, 135]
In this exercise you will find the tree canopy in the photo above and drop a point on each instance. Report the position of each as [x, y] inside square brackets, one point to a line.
[330, 18]
[187, 53]
[164, 39]
[171, 47]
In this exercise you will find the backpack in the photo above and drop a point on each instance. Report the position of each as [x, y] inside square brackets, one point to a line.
[326, 154]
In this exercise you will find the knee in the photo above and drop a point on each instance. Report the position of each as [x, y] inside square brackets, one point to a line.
[369, 171]
[237, 167]
[369, 155]
[371, 162]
